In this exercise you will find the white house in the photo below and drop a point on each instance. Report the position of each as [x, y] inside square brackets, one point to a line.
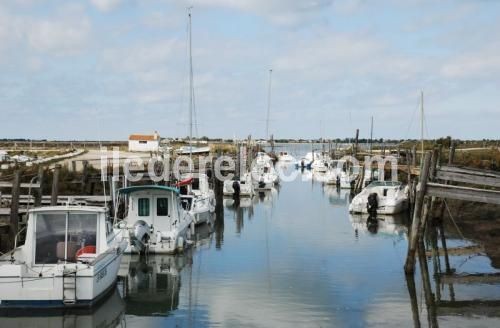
[141, 142]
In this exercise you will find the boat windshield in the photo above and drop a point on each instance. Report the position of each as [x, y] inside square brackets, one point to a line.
[59, 236]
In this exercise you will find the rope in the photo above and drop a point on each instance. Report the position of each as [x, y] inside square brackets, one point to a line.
[453, 220]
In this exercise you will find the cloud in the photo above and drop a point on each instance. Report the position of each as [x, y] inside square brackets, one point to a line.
[280, 12]
[66, 32]
[105, 5]
[59, 37]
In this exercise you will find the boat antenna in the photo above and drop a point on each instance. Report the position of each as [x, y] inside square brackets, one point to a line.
[268, 103]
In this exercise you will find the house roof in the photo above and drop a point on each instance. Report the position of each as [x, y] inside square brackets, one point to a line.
[143, 137]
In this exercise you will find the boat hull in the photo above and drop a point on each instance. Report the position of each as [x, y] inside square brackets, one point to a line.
[92, 284]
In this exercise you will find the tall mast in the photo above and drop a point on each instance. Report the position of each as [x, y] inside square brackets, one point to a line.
[190, 86]
[422, 121]
[268, 104]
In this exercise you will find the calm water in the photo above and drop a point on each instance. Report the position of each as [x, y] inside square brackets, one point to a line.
[293, 257]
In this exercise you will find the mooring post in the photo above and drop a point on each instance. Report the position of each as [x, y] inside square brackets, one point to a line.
[417, 215]
[412, 290]
[55, 185]
[429, 296]
[414, 156]
[451, 156]
[85, 176]
[356, 143]
[14, 205]
[39, 190]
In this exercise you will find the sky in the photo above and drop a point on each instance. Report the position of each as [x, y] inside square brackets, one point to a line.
[103, 69]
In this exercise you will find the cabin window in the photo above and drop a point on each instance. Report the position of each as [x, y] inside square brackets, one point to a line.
[143, 142]
[82, 234]
[143, 206]
[162, 206]
[59, 237]
[50, 238]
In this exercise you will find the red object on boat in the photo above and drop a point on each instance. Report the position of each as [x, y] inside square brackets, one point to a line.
[86, 250]
[184, 182]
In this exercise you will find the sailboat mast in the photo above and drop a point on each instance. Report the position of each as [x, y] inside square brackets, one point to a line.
[268, 103]
[422, 121]
[190, 87]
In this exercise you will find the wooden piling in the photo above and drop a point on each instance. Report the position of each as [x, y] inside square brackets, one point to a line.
[410, 283]
[417, 215]
[356, 143]
[14, 206]
[414, 156]
[451, 156]
[426, 282]
[55, 185]
[39, 190]
[85, 176]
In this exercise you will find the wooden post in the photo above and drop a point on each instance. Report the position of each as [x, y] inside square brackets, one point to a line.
[451, 156]
[429, 297]
[417, 215]
[410, 283]
[414, 156]
[39, 191]
[356, 143]
[14, 205]
[55, 185]
[85, 176]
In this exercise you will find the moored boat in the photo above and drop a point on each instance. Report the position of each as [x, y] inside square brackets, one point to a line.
[156, 221]
[386, 197]
[71, 258]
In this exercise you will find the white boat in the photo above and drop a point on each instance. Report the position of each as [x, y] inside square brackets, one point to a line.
[320, 162]
[71, 258]
[264, 176]
[242, 187]
[156, 221]
[391, 198]
[197, 197]
[284, 156]
[306, 161]
[188, 150]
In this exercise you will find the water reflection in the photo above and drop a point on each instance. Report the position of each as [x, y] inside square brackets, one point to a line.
[391, 226]
[152, 284]
[109, 313]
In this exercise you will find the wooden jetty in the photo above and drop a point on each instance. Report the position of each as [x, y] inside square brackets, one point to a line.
[437, 183]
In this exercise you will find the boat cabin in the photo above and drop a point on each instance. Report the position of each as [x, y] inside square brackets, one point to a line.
[158, 206]
[64, 234]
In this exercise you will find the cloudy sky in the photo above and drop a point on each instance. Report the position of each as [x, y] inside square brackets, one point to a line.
[102, 69]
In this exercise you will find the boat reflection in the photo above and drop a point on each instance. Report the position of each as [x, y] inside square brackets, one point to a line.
[336, 196]
[152, 284]
[109, 313]
[382, 225]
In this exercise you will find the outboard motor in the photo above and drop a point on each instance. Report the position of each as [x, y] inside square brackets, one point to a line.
[236, 189]
[372, 224]
[140, 236]
[372, 204]
[262, 184]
